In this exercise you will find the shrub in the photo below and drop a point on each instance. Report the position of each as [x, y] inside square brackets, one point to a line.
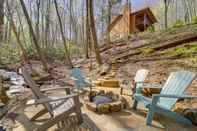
[9, 54]
[186, 50]
[178, 23]
[151, 28]
[195, 20]
[147, 51]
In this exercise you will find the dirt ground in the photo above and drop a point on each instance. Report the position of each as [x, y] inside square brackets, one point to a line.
[126, 120]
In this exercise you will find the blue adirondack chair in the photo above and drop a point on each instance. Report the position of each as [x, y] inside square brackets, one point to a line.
[162, 103]
[80, 80]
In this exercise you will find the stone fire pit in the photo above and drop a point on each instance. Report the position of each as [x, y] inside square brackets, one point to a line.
[105, 102]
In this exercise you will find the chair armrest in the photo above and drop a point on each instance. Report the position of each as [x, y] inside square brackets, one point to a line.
[88, 81]
[47, 100]
[174, 96]
[73, 78]
[142, 85]
[150, 85]
[55, 88]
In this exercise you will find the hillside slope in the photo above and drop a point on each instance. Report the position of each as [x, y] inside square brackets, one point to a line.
[160, 52]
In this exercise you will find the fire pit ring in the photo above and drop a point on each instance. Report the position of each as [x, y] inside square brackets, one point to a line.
[105, 102]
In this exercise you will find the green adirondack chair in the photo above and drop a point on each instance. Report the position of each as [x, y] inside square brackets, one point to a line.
[162, 103]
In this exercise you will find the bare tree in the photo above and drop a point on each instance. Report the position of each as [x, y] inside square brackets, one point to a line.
[93, 31]
[109, 19]
[166, 7]
[10, 18]
[38, 19]
[62, 34]
[88, 34]
[1, 19]
[39, 51]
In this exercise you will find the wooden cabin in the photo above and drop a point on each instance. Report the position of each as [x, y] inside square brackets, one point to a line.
[128, 23]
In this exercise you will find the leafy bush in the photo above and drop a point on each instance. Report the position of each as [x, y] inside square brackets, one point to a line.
[186, 50]
[151, 28]
[55, 53]
[9, 54]
[31, 52]
[147, 51]
[195, 20]
[178, 23]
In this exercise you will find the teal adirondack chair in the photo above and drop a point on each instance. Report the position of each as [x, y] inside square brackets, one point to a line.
[80, 80]
[162, 103]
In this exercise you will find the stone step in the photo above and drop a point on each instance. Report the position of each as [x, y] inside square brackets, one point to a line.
[107, 83]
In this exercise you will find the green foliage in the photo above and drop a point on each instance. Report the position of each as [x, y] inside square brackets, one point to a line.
[9, 54]
[151, 28]
[147, 51]
[178, 23]
[187, 50]
[195, 20]
[55, 53]
[31, 52]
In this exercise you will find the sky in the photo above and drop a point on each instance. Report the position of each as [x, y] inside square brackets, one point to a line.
[137, 4]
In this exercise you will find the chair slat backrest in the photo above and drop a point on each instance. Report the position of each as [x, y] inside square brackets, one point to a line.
[176, 84]
[80, 79]
[35, 89]
[141, 75]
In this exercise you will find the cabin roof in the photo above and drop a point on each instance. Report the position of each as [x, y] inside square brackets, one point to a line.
[137, 13]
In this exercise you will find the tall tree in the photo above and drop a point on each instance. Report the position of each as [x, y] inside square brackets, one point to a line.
[47, 21]
[109, 19]
[93, 31]
[1, 19]
[14, 29]
[88, 34]
[62, 34]
[32, 33]
[166, 7]
[38, 19]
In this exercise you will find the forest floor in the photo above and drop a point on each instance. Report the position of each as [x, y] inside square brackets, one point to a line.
[160, 52]
[126, 120]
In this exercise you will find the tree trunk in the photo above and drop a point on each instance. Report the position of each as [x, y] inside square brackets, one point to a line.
[62, 34]
[38, 20]
[40, 53]
[166, 14]
[1, 19]
[88, 34]
[47, 21]
[109, 20]
[93, 32]
[10, 18]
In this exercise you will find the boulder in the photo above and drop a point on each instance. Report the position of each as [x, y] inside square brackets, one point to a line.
[115, 106]
[4, 75]
[103, 108]
[105, 68]
[91, 106]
